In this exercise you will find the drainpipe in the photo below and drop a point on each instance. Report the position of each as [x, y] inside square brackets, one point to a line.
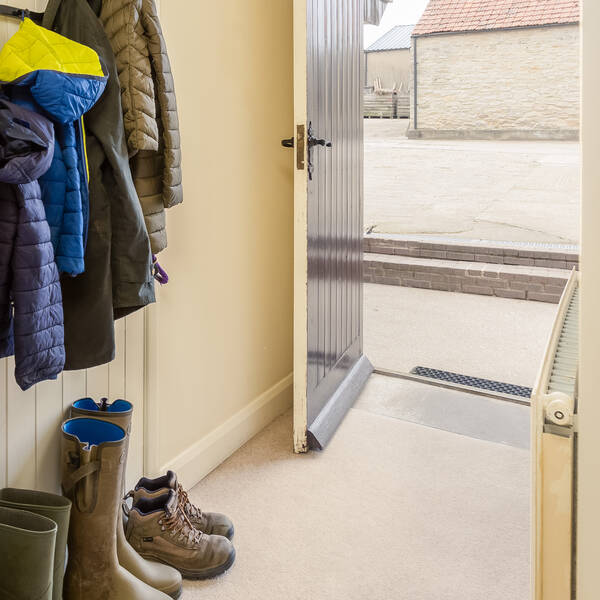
[415, 83]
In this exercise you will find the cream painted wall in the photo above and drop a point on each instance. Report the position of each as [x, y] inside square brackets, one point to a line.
[588, 513]
[220, 359]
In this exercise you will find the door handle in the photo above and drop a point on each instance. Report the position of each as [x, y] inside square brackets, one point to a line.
[288, 142]
[313, 141]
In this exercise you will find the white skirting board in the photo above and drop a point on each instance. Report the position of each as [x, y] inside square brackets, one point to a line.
[197, 461]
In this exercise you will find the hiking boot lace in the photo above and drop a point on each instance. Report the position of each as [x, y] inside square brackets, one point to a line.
[193, 511]
[178, 524]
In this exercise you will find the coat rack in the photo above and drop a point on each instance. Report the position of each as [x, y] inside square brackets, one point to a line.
[20, 13]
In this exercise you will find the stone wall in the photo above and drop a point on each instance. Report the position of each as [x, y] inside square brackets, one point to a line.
[515, 80]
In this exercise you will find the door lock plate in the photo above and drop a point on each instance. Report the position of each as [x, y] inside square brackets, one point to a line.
[300, 150]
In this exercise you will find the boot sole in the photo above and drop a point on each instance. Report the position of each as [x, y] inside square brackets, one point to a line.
[204, 574]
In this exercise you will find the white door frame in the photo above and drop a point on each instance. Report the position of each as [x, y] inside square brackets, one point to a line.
[588, 461]
[300, 233]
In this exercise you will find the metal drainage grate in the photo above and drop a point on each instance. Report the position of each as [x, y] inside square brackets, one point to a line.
[474, 382]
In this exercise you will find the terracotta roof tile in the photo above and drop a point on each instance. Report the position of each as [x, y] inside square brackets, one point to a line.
[480, 15]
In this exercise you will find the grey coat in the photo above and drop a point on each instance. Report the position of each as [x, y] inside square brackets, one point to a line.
[118, 262]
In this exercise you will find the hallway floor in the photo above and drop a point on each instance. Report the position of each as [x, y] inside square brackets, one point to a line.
[391, 510]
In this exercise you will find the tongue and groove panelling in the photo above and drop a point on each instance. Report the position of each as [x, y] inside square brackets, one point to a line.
[30, 421]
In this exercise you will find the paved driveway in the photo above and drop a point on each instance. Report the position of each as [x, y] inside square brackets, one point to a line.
[481, 336]
[515, 191]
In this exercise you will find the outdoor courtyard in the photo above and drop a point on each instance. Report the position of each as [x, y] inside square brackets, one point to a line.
[489, 190]
[496, 191]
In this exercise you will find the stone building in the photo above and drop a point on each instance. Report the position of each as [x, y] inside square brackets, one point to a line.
[496, 69]
[388, 60]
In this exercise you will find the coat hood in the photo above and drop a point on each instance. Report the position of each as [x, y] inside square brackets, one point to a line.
[65, 78]
[26, 144]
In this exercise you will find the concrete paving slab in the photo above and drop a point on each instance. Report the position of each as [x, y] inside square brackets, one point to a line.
[459, 412]
[481, 336]
[493, 190]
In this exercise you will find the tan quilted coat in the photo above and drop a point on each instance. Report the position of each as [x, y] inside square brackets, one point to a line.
[149, 108]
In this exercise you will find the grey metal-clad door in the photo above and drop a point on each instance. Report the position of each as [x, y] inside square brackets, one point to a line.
[329, 205]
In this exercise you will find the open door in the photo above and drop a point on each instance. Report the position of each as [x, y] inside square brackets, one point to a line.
[553, 449]
[329, 366]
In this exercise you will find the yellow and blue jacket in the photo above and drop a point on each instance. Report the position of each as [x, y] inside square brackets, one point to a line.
[62, 80]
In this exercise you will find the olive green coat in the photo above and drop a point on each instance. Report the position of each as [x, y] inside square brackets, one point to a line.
[118, 262]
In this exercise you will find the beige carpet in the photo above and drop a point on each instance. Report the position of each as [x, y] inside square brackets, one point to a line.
[390, 511]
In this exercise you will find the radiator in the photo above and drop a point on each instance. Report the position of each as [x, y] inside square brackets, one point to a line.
[553, 439]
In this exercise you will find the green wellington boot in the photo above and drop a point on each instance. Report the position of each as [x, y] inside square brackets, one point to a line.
[54, 507]
[156, 575]
[208, 522]
[27, 543]
[92, 457]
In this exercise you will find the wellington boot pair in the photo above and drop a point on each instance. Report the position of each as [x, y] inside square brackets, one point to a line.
[93, 455]
[29, 566]
[158, 576]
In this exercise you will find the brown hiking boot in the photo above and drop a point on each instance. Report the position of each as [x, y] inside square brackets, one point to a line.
[207, 522]
[159, 529]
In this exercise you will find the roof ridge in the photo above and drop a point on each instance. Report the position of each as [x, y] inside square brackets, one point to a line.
[449, 16]
[395, 38]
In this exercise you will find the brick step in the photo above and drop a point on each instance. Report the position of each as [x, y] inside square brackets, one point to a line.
[554, 256]
[528, 282]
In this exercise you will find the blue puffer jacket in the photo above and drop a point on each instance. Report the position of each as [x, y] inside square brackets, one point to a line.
[62, 80]
[31, 313]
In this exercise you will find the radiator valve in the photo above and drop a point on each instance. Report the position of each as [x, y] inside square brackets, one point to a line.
[559, 409]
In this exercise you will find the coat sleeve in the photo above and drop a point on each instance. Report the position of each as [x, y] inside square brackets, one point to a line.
[123, 26]
[36, 293]
[8, 228]
[170, 143]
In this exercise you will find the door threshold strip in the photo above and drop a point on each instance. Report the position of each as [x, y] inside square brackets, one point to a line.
[452, 384]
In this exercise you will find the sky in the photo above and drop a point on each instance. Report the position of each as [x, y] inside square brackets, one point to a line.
[400, 12]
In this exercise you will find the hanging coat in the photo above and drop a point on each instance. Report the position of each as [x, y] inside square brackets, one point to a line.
[118, 277]
[31, 314]
[61, 79]
[149, 106]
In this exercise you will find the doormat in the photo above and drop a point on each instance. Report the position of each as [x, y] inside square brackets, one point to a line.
[474, 382]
